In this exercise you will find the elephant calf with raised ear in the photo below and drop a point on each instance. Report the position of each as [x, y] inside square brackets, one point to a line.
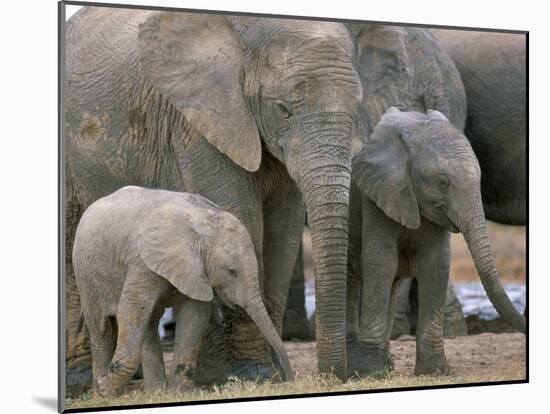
[138, 251]
[418, 179]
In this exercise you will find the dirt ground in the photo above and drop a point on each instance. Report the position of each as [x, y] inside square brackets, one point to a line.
[487, 354]
[508, 243]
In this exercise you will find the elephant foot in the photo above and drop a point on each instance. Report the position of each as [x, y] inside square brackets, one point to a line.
[296, 327]
[103, 389]
[249, 370]
[368, 360]
[432, 364]
[79, 380]
[182, 380]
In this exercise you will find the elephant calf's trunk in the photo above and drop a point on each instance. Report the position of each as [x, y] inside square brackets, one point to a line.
[257, 312]
[480, 248]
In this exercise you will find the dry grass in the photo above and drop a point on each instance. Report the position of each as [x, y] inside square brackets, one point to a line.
[308, 384]
[473, 359]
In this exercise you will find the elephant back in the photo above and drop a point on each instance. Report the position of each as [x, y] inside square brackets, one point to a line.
[101, 63]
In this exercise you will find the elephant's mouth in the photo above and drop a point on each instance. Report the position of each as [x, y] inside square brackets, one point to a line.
[223, 298]
[453, 228]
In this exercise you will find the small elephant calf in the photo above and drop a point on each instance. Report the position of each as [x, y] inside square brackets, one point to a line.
[138, 251]
[416, 179]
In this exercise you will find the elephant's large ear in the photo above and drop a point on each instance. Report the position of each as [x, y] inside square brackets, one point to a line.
[384, 67]
[381, 170]
[172, 251]
[196, 61]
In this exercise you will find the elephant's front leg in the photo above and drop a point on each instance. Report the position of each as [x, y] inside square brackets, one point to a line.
[192, 318]
[283, 227]
[379, 266]
[379, 262]
[433, 276]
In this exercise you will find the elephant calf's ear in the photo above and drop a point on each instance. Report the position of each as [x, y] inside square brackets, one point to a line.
[381, 171]
[167, 249]
[195, 60]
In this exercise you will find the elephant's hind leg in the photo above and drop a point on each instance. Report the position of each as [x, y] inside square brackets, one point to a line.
[140, 295]
[103, 341]
[154, 374]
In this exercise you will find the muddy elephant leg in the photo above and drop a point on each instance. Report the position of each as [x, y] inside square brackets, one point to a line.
[154, 375]
[295, 322]
[136, 305]
[192, 319]
[433, 277]
[77, 341]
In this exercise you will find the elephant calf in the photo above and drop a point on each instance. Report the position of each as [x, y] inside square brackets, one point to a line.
[138, 251]
[417, 178]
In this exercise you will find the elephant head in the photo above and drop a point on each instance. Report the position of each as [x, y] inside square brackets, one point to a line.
[288, 87]
[221, 261]
[406, 68]
[417, 165]
[233, 269]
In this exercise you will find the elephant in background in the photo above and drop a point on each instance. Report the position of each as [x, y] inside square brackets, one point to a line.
[255, 114]
[138, 251]
[417, 179]
[493, 69]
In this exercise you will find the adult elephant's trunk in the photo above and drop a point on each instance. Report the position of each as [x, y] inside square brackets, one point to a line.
[323, 175]
[474, 228]
[257, 312]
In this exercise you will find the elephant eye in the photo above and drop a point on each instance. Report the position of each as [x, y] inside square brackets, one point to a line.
[443, 182]
[283, 108]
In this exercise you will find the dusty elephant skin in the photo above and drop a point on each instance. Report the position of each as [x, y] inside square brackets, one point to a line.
[255, 114]
[493, 69]
[138, 251]
[417, 178]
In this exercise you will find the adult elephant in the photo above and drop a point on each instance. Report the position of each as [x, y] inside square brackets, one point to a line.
[255, 114]
[493, 69]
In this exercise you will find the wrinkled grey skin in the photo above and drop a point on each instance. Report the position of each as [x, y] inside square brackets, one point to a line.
[255, 114]
[138, 251]
[493, 69]
[404, 67]
[418, 179]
